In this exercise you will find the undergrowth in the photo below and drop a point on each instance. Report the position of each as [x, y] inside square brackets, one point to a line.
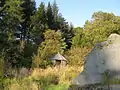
[42, 79]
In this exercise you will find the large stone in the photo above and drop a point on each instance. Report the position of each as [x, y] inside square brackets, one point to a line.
[104, 57]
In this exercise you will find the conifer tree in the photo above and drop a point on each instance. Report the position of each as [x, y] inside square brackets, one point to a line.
[9, 26]
[29, 9]
[39, 24]
[50, 17]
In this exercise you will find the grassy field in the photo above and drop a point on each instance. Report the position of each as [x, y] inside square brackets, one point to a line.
[43, 79]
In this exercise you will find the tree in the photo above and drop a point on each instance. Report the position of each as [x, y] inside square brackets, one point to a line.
[68, 33]
[29, 9]
[39, 24]
[66, 29]
[101, 26]
[79, 39]
[2, 12]
[10, 23]
[76, 56]
[50, 17]
[52, 45]
[2, 3]
[11, 19]
[55, 11]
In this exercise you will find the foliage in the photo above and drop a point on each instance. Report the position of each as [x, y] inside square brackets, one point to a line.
[59, 75]
[46, 79]
[9, 25]
[68, 34]
[30, 37]
[28, 10]
[76, 56]
[39, 24]
[79, 39]
[101, 26]
[48, 17]
[53, 44]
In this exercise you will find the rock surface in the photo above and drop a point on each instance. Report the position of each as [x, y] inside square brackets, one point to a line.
[104, 57]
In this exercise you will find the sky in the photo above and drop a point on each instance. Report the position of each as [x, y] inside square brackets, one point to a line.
[78, 11]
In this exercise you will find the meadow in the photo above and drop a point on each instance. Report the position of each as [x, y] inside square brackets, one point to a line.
[43, 79]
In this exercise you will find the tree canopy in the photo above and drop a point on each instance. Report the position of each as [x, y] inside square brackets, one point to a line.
[30, 36]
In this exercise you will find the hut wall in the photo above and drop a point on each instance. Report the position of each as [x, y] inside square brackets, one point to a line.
[63, 63]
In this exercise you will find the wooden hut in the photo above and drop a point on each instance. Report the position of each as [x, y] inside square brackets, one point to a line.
[58, 59]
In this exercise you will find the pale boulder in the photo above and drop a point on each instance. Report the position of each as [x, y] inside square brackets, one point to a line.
[104, 57]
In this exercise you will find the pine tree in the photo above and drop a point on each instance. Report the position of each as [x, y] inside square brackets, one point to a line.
[50, 17]
[39, 24]
[2, 3]
[68, 33]
[29, 9]
[55, 11]
[66, 29]
[2, 13]
[9, 26]
[12, 17]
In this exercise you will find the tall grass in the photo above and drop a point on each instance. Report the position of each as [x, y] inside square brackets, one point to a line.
[44, 79]
[64, 74]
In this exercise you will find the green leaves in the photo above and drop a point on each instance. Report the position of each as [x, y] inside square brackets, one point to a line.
[77, 40]
[101, 26]
[52, 45]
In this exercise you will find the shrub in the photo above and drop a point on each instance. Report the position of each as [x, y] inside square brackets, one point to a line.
[76, 56]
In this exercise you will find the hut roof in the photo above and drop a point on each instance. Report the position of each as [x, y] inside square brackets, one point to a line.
[58, 57]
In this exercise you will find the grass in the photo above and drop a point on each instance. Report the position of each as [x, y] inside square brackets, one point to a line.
[57, 87]
[43, 79]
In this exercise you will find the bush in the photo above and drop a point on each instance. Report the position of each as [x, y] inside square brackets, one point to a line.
[76, 56]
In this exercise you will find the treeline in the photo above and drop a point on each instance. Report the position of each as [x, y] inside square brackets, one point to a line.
[30, 36]
[22, 28]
